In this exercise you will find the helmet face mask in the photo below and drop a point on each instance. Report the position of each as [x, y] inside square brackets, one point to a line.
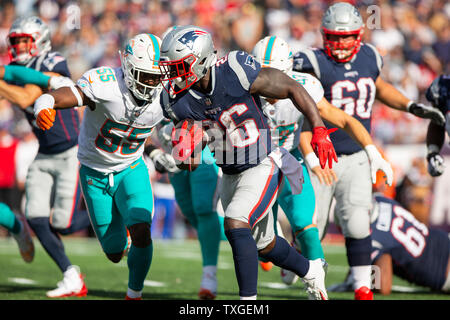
[342, 30]
[34, 29]
[140, 66]
[187, 53]
[21, 47]
[179, 72]
[342, 45]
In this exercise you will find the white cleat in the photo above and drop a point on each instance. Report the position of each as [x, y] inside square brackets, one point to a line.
[208, 285]
[24, 240]
[72, 285]
[314, 280]
[288, 277]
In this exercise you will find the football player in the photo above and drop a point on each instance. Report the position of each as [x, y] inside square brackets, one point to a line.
[17, 224]
[19, 229]
[349, 72]
[407, 248]
[286, 123]
[223, 97]
[196, 193]
[438, 94]
[122, 108]
[52, 180]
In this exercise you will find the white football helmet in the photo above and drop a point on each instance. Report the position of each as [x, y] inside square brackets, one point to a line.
[186, 55]
[140, 66]
[33, 28]
[273, 52]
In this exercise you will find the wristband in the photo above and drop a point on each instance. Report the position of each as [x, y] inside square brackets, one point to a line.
[312, 160]
[432, 148]
[77, 95]
[46, 101]
[409, 105]
[371, 150]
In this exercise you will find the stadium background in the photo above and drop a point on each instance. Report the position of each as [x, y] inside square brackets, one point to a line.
[412, 36]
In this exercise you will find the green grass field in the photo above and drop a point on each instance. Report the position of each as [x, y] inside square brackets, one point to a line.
[174, 275]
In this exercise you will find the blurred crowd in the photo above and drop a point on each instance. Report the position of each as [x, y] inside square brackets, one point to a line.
[413, 37]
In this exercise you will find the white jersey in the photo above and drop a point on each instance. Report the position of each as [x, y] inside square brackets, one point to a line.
[112, 135]
[285, 120]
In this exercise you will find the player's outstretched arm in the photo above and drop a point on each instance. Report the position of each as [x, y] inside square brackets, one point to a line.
[62, 98]
[20, 96]
[326, 176]
[24, 75]
[435, 141]
[384, 262]
[272, 83]
[358, 132]
[393, 98]
[33, 84]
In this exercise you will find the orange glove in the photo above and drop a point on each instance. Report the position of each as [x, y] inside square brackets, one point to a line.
[45, 118]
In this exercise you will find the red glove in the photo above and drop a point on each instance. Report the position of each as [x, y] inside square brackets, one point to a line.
[323, 147]
[186, 139]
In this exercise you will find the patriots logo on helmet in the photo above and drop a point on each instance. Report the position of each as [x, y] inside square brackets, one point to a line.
[189, 38]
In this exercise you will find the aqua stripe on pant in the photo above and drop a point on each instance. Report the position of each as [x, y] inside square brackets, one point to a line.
[299, 210]
[196, 195]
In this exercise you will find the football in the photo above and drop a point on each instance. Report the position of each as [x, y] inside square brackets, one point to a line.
[198, 139]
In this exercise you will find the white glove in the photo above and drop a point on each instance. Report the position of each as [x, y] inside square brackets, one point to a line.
[57, 82]
[163, 162]
[378, 163]
[436, 165]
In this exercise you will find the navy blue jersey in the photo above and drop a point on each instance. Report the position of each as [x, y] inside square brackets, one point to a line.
[349, 86]
[64, 133]
[419, 254]
[231, 110]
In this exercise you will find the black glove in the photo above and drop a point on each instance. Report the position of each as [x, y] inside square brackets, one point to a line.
[163, 161]
[427, 112]
[435, 164]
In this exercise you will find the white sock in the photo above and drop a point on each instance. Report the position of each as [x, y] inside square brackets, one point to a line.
[210, 270]
[71, 272]
[310, 273]
[248, 298]
[361, 276]
[134, 294]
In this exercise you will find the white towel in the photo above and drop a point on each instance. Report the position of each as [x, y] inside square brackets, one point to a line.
[290, 167]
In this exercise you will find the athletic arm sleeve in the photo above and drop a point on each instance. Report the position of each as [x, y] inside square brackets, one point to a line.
[24, 75]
